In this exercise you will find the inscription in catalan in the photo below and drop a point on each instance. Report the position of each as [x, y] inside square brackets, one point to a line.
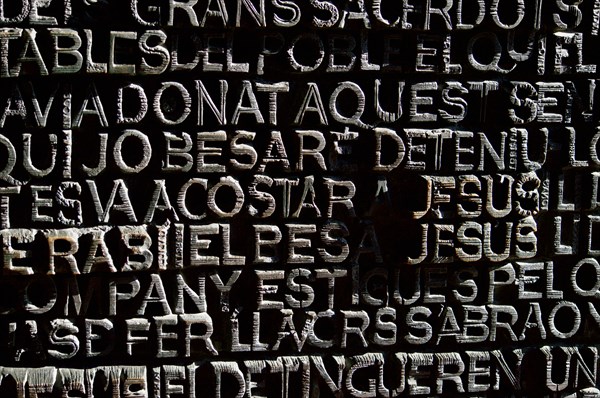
[299, 198]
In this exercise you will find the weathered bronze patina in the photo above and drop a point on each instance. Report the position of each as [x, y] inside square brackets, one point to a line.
[299, 198]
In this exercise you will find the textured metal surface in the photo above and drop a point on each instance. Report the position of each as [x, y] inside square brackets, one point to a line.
[290, 198]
